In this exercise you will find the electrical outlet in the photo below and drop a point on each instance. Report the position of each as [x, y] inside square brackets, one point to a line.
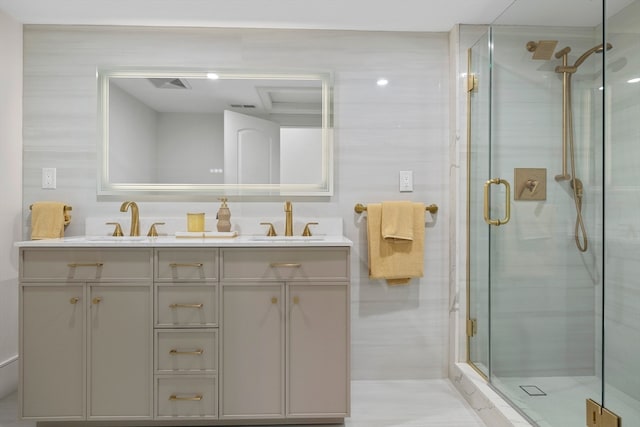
[49, 178]
[406, 181]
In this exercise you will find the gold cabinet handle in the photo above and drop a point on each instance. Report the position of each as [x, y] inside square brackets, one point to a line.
[296, 300]
[507, 210]
[186, 305]
[189, 264]
[97, 300]
[195, 398]
[274, 300]
[285, 264]
[74, 300]
[90, 264]
[177, 352]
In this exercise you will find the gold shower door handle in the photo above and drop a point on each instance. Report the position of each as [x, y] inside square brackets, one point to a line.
[507, 209]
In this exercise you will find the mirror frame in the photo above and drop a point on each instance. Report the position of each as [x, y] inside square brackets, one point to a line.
[107, 189]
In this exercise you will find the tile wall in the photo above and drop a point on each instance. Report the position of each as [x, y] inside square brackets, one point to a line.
[397, 332]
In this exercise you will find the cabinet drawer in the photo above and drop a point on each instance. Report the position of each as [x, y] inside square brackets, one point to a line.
[86, 264]
[186, 264]
[285, 264]
[187, 397]
[187, 351]
[187, 306]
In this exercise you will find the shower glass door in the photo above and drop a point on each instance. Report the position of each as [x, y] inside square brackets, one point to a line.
[556, 324]
[546, 294]
[543, 295]
[622, 206]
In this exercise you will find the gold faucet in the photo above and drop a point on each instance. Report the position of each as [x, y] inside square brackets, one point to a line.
[135, 217]
[288, 214]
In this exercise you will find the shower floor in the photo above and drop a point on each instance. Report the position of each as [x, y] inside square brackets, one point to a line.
[564, 402]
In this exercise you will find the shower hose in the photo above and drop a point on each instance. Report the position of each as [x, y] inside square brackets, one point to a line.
[580, 233]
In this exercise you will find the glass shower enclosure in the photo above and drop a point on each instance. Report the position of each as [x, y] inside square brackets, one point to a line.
[554, 212]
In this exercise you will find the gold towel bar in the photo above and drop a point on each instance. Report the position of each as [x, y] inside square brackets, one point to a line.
[432, 208]
[66, 208]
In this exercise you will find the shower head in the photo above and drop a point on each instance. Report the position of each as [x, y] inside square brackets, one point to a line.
[600, 47]
[542, 49]
[596, 49]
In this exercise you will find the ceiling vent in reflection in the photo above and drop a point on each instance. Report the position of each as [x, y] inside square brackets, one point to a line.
[242, 106]
[170, 83]
[291, 100]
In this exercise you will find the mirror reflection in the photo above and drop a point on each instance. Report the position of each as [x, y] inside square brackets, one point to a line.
[221, 133]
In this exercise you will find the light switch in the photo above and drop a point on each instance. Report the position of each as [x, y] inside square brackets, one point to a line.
[49, 178]
[406, 181]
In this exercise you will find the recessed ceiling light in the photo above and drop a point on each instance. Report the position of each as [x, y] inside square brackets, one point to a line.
[213, 76]
[382, 82]
[636, 80]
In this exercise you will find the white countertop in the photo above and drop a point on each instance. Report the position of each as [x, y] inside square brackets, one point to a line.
[251, 241]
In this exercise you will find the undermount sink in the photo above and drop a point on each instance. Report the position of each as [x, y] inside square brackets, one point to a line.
[116, 238]
[287, 238]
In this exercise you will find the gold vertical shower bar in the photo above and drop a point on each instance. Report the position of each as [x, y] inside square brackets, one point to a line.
[564, 53]
[565, 79]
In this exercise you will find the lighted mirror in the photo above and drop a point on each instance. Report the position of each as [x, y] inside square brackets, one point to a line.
[197, 132]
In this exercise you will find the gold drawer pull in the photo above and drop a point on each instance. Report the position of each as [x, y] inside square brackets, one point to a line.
[285, 264]
[186, 305]
[196, 398]
[274, 300]
[74, 300]
[194, 352]
[296, 300]
[188, 264]
[89, 264]
[97, 300]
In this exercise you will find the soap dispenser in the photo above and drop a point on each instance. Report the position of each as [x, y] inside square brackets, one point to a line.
[223, 216]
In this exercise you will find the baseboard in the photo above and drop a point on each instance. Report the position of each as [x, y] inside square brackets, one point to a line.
[8, 376]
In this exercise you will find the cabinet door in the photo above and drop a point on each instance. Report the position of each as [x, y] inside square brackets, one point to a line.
[120, 345]
[252, 373]
[52, 356]
[318, 350]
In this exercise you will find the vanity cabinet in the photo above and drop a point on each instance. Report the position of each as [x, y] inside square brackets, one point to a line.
[52, 347]
[284, 333]
[85, 334]
[318, 350]
[186, 333]
[182, 334]
[252, 361]
[119, 351]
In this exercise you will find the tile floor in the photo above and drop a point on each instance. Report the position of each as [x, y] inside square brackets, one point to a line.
[431, 403]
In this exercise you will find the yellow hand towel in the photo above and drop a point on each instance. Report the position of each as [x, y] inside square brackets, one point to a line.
[47, 220]
[397, 261]
[397, 220]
